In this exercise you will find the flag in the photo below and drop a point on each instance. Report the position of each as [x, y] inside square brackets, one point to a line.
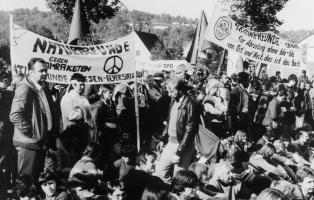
[79, 25]
[198, 40]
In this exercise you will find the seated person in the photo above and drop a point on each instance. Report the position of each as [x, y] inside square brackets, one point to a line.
[306, 183]
[51, 186]
[300, 145]
[25, 188]
[225, 185]
[86, 165]
[262, 163]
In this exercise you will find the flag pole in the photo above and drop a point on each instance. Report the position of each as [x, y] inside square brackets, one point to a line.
[138, 136]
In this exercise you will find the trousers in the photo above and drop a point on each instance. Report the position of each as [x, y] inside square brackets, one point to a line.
[164, 165]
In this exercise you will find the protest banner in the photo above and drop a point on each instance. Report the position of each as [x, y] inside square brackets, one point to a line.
[265, 47]
[160, 65]
[111, 62]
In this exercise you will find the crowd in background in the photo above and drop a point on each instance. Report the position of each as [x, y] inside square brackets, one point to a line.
[202, 136]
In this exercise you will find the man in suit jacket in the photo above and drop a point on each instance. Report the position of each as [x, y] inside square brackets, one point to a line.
[32, 116]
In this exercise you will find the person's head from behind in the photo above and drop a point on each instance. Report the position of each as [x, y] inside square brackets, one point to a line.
[25, 188]
[176, 88]
[158, 191]
[146, 160]
[83, 185]
[37, 70]
[78, 83]
[240, 161]
[271, 194]
[115, 190]
[267, 151]
[184, 184]
[306, 180]
[49, 183]
[129, 154]
[106, 92]
[244, 79]
[93, 151]
[285, 187]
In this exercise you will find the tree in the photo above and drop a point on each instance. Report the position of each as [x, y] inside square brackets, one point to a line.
[95, 9]
[258, 15]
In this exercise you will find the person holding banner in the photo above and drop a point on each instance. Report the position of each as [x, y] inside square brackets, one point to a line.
[32, 117]
[182, 126]
[73, 98]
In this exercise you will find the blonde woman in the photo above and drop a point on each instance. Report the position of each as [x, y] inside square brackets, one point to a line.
[214, 109]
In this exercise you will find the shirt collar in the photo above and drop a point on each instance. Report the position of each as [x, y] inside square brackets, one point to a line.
[37, 86]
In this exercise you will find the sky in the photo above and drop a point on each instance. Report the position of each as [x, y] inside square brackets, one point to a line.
[297, 14]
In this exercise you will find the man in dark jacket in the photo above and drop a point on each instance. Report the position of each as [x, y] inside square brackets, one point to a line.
[238, 108]
[32, 116]
[182, 126]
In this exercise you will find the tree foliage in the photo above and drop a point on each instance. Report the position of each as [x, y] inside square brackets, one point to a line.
[95, 9]
[258, 15]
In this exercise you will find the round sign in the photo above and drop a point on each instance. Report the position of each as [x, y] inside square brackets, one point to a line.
[113, 65]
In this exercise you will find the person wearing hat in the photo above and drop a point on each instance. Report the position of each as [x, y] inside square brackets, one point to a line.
[303, 77]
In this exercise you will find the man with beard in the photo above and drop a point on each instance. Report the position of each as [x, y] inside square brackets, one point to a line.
[182, 126]
[31, 115]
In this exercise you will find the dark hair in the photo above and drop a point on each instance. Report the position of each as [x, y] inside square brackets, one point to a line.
[239, 157]
[277, 72]
[183, 179]
[158, 191]
[25, 187]
[142, 156]
[130, 152]
[303, 172]
[78, 77]
[47, 175]
[243, 77]
[179, 84]
[301, 130]
[293, 77]
[92, 150]
[114, 184]
[282, 90]
[32, 62]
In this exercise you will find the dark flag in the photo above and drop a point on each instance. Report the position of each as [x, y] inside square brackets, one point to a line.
[79, 25]
[198, 40]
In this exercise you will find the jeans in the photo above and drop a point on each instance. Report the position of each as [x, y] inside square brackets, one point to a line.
[163, 166]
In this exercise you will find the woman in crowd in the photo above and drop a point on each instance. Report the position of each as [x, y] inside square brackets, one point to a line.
[215, 109]
[156, 192]
[183, 186]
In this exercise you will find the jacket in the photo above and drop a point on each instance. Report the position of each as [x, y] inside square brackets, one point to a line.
[273, 115]
[187, 123]
[28, 117]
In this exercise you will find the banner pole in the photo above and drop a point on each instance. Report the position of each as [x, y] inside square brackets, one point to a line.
[137, 116]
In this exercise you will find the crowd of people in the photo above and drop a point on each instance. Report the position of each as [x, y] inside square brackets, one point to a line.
[79, 141]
